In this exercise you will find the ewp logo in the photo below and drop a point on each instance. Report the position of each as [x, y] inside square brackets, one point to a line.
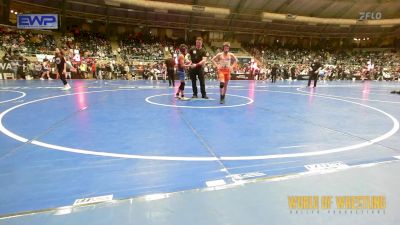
[37, 21]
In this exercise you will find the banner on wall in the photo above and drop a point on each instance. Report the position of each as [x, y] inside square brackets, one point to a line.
[37, 21]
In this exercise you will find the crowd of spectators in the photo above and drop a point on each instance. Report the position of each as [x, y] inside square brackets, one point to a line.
[90, 55]
[147, 47]
[340, 64]
[88, 44]
[26, 42]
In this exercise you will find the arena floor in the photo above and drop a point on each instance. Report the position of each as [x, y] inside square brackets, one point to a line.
[167, 161]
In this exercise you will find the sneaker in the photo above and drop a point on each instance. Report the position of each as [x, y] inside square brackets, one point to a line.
[205, 96]
[194, 96]
[66, 87]
[41, 78]
[50, 78]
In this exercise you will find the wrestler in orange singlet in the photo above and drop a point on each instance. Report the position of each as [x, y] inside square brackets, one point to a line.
[224, 62]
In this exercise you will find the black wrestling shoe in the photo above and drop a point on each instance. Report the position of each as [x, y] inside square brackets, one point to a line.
[194, 96]
[222, 99]
[205, 96]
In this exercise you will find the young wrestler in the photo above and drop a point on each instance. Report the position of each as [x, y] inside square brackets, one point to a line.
[224, 62]
[183, 63]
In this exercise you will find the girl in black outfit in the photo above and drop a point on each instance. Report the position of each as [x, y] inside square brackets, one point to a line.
[61, 68]
[170, 64]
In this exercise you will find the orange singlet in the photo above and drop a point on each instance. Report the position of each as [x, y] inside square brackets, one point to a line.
[224, 73]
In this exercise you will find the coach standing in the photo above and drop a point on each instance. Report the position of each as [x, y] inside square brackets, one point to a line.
[198, 57]
[315, 67]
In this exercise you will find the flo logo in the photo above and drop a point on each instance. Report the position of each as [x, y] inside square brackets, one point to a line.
[370, 16]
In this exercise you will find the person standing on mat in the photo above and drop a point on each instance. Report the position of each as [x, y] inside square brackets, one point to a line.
[224, 62]
[61, 68]
[199, 57]
[315, 68]
[274, 72]
[183, 63]
[170, 64]
[45, 69]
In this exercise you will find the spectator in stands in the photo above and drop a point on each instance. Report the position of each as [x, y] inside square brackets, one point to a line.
[38, 69]
[7, 57]
[293, 72]
[93, 69]
[20, 68]
[126, 71]
[83, 69]
[46, 69]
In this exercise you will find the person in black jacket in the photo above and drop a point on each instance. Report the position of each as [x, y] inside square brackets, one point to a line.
[170, 64]
[315, 67]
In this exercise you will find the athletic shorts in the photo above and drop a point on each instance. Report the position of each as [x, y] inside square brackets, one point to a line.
[224, 74]
[181, 75]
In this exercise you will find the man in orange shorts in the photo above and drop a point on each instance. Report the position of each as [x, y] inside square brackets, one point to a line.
[224, 62]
